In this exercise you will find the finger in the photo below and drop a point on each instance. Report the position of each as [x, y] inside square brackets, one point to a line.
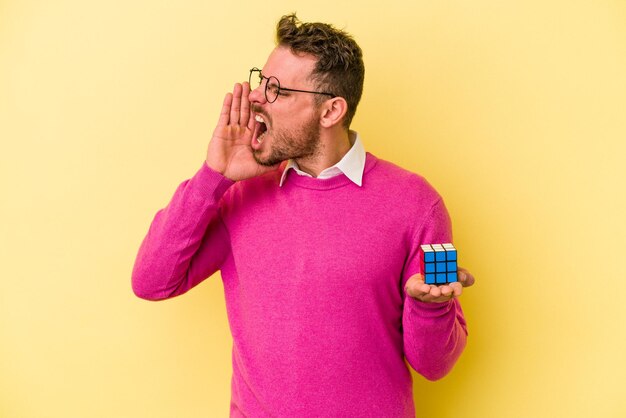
[424, 288]
[419, 291]
[457, 289]
[225, 113]
[252, 121]
[244, 116]
[435, 291]
[465, 277]
[236, 106]
[446, 291]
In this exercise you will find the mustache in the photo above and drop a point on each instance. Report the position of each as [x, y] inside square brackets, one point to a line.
[256, 109]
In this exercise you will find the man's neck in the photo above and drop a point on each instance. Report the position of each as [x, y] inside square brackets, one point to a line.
[330, 153]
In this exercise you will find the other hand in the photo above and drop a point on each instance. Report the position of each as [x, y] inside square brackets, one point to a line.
[416, 288]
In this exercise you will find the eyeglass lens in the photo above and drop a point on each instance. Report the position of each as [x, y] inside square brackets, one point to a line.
[272, 87]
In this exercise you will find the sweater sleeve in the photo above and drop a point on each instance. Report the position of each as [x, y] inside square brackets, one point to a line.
[187, 240]
[434, 334]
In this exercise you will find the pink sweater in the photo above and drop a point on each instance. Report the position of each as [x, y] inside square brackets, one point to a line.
[313, 275]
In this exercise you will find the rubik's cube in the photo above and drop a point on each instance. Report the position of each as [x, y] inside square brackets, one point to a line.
[439, 263]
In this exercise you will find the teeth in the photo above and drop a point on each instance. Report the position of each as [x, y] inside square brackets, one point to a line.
[260, 119]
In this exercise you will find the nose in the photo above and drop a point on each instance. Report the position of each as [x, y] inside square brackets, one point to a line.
[257, 95]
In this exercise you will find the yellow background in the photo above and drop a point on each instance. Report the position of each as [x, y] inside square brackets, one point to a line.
[514, 110]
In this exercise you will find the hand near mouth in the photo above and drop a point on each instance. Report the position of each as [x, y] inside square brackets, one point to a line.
[229, 151]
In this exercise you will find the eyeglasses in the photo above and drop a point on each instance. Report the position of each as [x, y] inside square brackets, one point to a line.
[272, 86]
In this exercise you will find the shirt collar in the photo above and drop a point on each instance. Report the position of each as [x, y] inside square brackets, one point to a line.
[352, 164]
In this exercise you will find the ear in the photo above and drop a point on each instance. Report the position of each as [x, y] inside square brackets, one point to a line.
[333, 112]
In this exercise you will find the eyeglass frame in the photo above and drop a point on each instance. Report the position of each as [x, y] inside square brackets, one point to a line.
[262, 77]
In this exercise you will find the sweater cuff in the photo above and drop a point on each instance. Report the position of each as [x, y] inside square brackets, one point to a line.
[212, 182]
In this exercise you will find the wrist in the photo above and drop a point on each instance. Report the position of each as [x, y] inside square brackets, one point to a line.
[215, 166]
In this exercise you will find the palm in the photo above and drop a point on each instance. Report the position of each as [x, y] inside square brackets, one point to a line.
[416, 288]
[229, 151]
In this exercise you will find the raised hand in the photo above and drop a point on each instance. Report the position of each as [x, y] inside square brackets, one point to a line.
[230, 150]
[416, 288]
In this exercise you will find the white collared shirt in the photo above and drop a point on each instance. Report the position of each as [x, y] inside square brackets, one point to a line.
[352, 164]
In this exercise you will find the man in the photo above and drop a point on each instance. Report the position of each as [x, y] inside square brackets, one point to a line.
[317, 242]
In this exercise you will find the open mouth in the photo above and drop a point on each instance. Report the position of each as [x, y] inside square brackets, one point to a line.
[260, 128]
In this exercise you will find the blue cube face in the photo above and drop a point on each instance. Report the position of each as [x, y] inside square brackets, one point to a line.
[429, 278]
[439, 263]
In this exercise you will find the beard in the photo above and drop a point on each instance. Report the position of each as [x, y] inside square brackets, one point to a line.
[292, 144]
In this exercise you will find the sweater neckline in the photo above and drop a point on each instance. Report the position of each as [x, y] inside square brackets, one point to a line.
[340, 180]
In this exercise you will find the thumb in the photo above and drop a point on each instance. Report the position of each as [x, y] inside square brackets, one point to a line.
[465, 277]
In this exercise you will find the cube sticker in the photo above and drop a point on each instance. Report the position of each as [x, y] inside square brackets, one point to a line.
[439, 263]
